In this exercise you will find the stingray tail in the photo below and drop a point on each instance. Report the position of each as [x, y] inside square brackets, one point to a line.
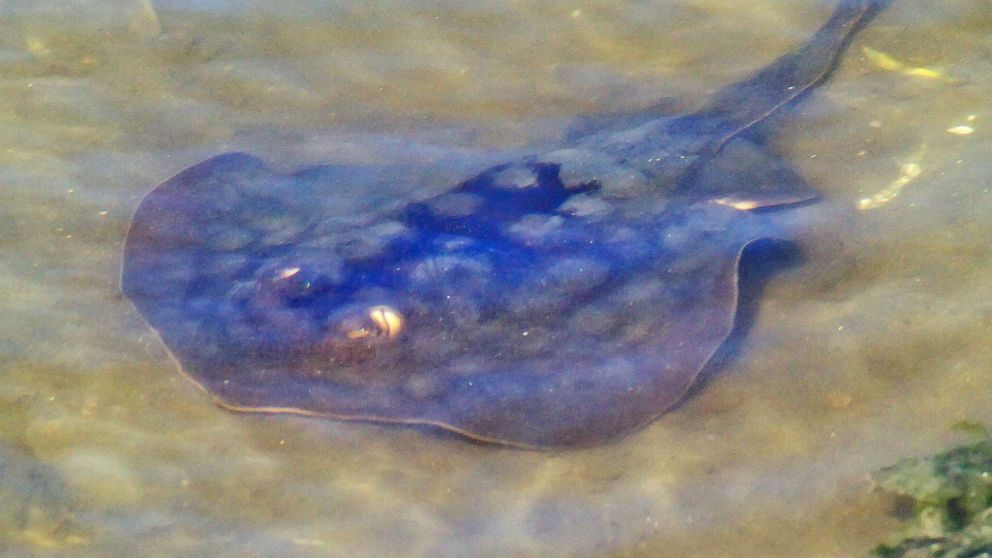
[741, 105]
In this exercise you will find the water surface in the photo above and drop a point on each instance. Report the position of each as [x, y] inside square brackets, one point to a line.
[864, 349]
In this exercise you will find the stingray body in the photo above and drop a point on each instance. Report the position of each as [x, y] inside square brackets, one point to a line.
[561, 299]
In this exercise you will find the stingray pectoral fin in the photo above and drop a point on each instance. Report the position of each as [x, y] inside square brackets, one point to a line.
[745, 176]
[649, 342]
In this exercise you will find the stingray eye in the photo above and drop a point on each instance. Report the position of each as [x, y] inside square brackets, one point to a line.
[285, 283]
[388, 321]
[292, 283]
[382, 321]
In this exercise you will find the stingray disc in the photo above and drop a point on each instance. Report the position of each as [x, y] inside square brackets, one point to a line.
[562, 330]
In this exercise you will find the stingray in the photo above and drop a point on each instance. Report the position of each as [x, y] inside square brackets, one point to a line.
[562, 298]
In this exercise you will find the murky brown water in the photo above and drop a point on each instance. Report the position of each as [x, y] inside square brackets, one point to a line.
[865, 352]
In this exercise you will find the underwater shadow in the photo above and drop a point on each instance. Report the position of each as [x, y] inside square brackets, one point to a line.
[760, 262]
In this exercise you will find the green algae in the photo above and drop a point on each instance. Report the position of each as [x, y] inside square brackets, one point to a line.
[950, 496]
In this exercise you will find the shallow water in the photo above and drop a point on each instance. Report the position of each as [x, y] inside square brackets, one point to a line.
[865, 349]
